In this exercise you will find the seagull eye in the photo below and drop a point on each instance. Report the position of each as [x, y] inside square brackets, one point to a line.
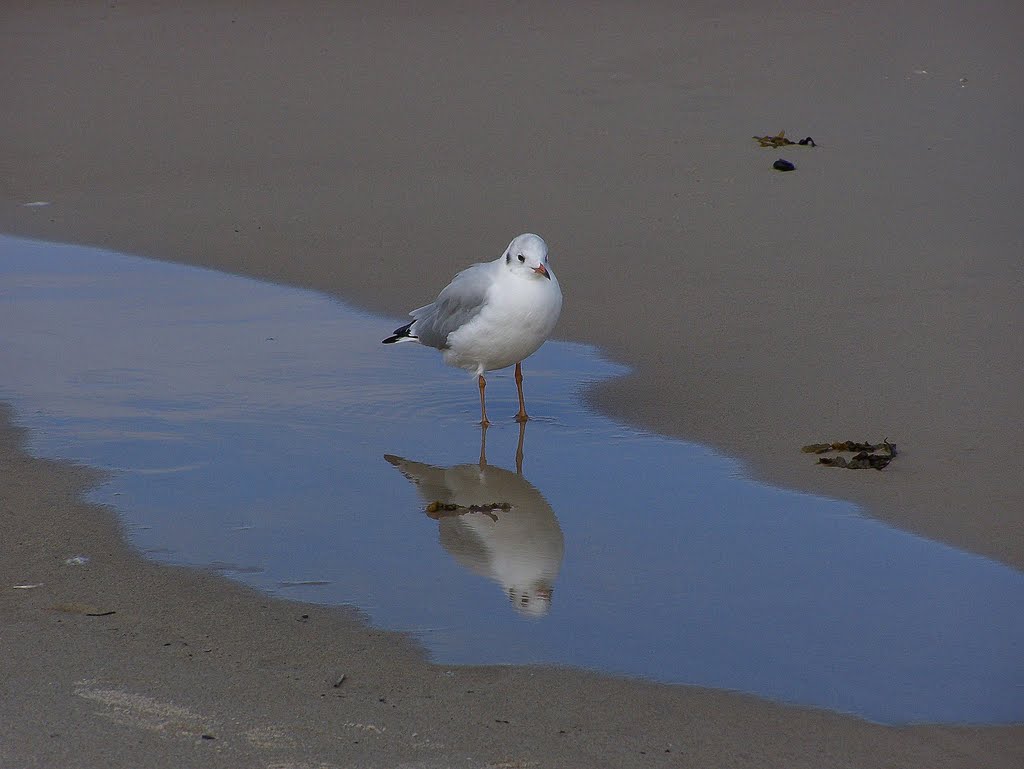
[522, 258]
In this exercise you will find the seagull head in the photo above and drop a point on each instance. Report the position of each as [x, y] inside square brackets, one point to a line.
[528, 254]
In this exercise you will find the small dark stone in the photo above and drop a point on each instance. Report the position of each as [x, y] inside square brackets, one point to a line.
[209, 737]
[783, 165]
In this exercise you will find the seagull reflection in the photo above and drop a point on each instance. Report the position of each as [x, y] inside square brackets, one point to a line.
[519, 546]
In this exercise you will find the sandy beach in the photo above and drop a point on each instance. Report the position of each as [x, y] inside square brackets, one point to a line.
[874, 292]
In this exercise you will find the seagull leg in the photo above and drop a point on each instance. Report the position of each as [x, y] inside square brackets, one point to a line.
[519, 448]
[522, 416]
[483, 446]
[483, 409]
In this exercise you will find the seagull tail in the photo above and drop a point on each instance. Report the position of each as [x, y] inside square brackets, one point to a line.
[403, 334]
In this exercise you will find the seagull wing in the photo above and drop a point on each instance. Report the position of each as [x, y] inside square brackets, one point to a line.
[457, 304]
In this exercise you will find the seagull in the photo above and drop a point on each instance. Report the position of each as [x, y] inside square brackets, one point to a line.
[492, 315]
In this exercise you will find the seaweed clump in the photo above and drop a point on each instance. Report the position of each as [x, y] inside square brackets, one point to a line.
[780, 140]
[866, 456]
[439, 509]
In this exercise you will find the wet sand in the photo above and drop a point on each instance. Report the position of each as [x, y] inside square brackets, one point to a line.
[874, 292]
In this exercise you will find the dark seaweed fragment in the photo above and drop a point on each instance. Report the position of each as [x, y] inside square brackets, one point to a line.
[873, 456]
[779, 140]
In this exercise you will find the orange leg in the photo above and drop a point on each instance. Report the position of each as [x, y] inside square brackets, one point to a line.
[483, 409]
[519, 448]
[522, 416]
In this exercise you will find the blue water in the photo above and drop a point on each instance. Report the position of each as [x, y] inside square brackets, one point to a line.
[248, 425]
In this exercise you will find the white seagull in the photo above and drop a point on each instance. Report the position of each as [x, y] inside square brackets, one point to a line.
[492, 315]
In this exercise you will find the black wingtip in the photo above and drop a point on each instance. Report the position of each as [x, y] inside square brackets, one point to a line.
[399, 334]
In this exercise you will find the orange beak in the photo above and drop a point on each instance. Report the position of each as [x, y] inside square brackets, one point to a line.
[542, 270]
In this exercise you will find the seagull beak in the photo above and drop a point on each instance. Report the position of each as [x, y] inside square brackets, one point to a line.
[542, 270]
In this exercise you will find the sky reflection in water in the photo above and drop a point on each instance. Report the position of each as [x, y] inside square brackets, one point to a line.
[265, 432]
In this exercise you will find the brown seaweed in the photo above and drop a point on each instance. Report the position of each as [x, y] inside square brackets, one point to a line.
[439, 509]
[780, 140]
[874, 456]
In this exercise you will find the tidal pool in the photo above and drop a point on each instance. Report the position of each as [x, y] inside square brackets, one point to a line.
[265, 432]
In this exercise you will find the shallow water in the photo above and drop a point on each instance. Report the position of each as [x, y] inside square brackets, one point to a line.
[265, 432]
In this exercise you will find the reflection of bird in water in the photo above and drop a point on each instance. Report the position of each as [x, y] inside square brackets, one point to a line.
[521, 547]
